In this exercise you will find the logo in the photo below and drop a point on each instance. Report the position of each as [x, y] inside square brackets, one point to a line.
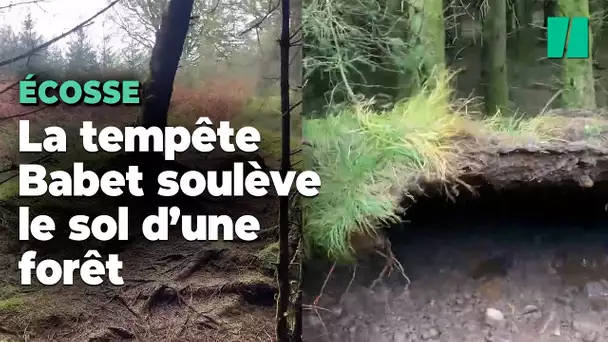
[569, 35]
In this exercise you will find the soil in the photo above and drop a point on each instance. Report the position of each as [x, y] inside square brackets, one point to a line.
[174, 290]
[575, 158]
[519, 267]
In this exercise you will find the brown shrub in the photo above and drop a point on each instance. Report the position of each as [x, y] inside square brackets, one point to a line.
[216, 99]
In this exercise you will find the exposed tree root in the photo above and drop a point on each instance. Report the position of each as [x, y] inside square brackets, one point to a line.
[124, 303]
[257, 293]
[122, 332]
[198, 260]
[162, 293]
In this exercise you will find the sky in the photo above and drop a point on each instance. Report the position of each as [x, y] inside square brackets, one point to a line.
[54, 17]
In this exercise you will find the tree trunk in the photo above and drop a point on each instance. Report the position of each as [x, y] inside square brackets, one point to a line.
[165, 58]
[549, 10]
[158, 88]
[296, 54]
[577, 74]
[494, 58]
[525, 32]
[509, 18]
[596, 19]
[283, 333]
[428, 28]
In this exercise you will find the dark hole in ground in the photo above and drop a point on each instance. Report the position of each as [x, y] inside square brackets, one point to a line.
[518, 217]
[507, 249]
[565, 203]
[260, 294]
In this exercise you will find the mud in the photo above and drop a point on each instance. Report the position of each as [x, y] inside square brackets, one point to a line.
[515, 270]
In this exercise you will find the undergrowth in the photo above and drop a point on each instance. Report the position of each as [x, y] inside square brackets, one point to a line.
[369, 161]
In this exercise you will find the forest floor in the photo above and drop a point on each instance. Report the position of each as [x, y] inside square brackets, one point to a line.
[174, 290]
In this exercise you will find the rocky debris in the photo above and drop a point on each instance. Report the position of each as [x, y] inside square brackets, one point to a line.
[597, 295]
[432, 333]
[547, 322]
[494, 336]
[588, 326]
[528, 309]
[533, 305]
[494, 318]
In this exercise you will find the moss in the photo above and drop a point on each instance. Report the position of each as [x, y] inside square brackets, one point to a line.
[577, 74]
[11, 303]
[269, 256]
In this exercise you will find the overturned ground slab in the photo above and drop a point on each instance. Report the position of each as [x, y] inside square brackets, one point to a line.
[372, 165]
[553, 163]
[576, 154]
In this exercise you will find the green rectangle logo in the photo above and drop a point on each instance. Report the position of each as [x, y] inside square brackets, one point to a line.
[569, 36]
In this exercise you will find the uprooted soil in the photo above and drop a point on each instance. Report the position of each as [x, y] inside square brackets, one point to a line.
[174, 290]
[516, 252]
[581, 153]
[524, 264]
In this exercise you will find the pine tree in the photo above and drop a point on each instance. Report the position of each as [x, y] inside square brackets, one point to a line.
[134, 59]
[81, 55]
[55, 60]
[107, 56]
[28, 39]
[8, 48]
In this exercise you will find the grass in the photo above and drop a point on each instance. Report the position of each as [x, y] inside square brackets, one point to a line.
[11, 303]
[365, 161]
[369, 162]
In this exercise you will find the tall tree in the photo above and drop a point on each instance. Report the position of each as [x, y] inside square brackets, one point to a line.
[526, 36]
[9, 44]
[282, 331]
[81, 54]
[134, 56]
[577, 74]
[28, 39]
[164, 61]
[211, 21]
[427, 28]
[108, 59]
[55, 60]
[494, 57]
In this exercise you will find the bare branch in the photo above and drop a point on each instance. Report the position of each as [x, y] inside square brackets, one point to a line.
[47, 44]
[15, 4]
[259, 22]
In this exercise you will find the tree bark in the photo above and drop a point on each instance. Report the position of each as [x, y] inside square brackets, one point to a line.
[525, 32]
[577, 74]
[596, 19]
[282, 331]
[165, 58]
[494, 58]
[549, 10]
[158, 88]
[428, 28]
[509, 17]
